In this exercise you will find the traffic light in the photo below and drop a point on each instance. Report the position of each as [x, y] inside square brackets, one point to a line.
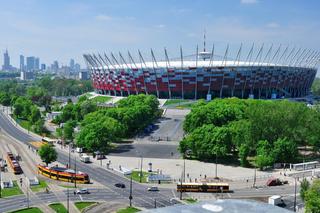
[20, 181]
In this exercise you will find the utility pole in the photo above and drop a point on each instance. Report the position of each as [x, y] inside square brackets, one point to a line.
[295, 194]
[155, 203]
[141, 169]
[181, 187]
[184, 170]
[254, 176]
[68, 200]
[75, 171]
[0, 173]
[130, 196]
[216, 176]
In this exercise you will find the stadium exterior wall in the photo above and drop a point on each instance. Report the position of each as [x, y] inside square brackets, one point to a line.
[196, 82]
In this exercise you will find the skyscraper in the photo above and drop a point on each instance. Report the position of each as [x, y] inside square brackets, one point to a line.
[6, 61]
[36, 64]
[21, 62]
[72, 64]
[30, 63]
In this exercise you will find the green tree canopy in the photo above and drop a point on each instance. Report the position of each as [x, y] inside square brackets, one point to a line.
[312, 198]
[47, 153]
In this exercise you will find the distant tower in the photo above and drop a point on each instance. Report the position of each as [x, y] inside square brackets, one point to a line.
[6, 61]
[21, 63]
[72, 64]
[204, 55]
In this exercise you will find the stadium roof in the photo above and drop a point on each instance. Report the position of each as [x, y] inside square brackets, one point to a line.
[189, 64]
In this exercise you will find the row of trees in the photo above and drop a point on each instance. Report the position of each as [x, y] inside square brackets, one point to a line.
[268, 131]
[106, 125]
[64, 87]
[310, 194]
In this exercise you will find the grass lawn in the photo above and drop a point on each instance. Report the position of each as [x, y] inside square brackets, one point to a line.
[58, 207]
[28, 210]
[173, 101]
[42, 185]
[101, 99]
[136, 176]
[82, 205]
[15, 190]
[67, 186]
[128, 210]
[190, 200]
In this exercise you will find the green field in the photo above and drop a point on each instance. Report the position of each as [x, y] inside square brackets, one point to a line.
[190, 200]
[58, 207]
[82, 205]
[128, 210]
[42, 186]
[68, 186]
[173, 101]
[136, 176]
[15, 190]
[28, 210]
[101, 99]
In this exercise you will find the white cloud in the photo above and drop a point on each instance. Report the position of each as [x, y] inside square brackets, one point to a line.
[103, 17]
[249, 1]
[273, 25]
[160, 26]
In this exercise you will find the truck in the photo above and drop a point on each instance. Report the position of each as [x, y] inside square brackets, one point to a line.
[85, 158]
[276, 200]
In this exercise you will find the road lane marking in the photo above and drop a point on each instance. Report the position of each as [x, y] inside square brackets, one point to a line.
[81, 198]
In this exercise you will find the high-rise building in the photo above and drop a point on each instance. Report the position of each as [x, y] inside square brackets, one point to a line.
[72, 64]
[36, 64]
[6, 61]
[43, 67]
[55, 66]
[21, 63]
[77, 68]
[30, 63]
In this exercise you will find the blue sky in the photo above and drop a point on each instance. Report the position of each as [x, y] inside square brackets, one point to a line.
[64, 29]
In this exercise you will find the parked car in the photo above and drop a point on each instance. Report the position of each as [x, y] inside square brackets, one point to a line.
[153, 189]
[82, 191]
[120, 185]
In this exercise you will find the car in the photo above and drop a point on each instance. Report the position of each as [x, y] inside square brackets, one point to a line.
[120, 185]
[82, 191]
[153, 189]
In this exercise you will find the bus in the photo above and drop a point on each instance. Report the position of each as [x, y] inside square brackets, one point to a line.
[14, 164]
[203, 187]
[63, 174]
[49, 140]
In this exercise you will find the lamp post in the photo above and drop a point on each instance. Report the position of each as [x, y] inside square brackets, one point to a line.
[130, 196]
[75, 171]
[295, 194]
[68, 200]
[141, 168]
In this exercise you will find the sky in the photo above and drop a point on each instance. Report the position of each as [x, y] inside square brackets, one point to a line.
[64, 29]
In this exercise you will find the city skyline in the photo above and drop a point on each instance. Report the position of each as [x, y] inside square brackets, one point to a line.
[62, 30]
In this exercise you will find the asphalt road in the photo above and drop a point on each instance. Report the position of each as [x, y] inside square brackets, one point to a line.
[141, 197]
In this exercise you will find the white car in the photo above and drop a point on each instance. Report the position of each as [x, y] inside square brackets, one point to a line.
[82, 191]
[153, 189]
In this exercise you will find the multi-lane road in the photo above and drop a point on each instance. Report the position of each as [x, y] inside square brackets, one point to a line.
[141, 197]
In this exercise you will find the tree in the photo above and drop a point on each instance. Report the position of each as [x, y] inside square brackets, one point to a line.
[285, 151]
[312, 198]
[304, 186]
[68, 130]
[98, 135]
[5, 99]
[35, 114]
[207, 142]
[264, 156]
[47, 153]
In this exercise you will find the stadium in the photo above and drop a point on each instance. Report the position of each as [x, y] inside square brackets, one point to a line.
[264, 73]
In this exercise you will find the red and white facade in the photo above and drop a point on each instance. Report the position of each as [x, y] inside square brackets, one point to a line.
[204, 77]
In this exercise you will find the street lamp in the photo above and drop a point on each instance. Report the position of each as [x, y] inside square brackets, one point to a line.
[140, 169]
[295, 194]
[130, 196]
